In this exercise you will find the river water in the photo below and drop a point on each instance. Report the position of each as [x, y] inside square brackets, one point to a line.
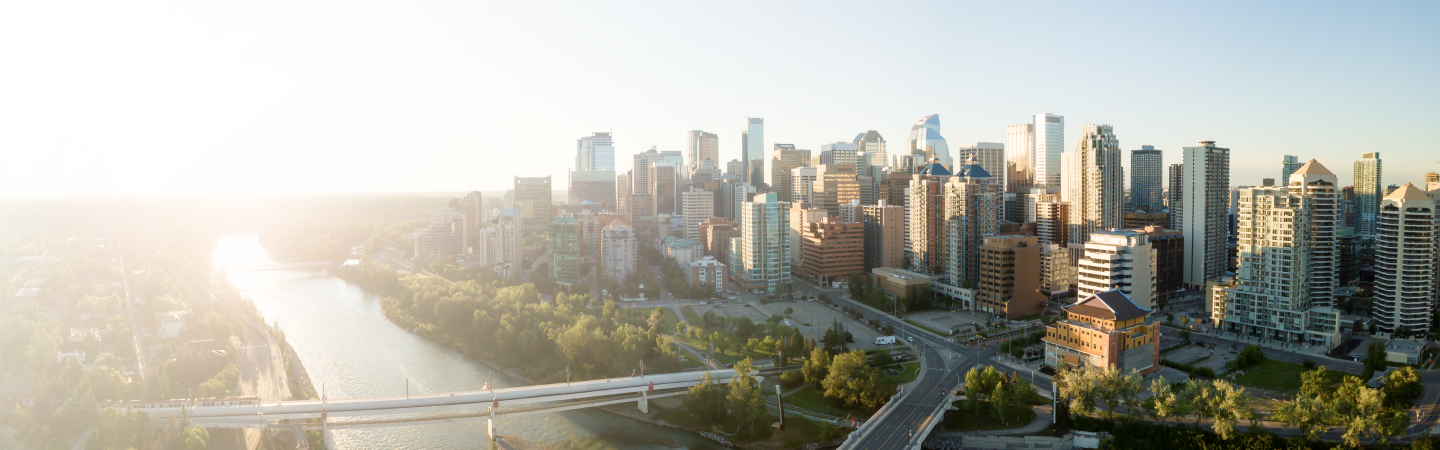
[351, 349]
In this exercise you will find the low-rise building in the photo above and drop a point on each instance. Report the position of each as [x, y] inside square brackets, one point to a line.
[1105, 329]
[1142, 220]
[684, 251]
[900, 282]
[705, 271]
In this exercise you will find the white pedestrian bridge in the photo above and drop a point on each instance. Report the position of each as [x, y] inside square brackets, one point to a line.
[433, 408]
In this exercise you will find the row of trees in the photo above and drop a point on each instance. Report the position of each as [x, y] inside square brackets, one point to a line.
[1090, 387]
[1003, 394]
[1362, 411]
[738, 405]
[848, 379]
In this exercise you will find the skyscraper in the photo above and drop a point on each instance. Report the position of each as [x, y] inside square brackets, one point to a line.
[1287, 260]
[752, 151]
[595, 152]
[870, 149]
[802, 184]
[1008, 279]
[1432, 181]
[1205, 201]
[596, 186]
[1405, 262]
[989, 155]
[735, 169]
[664, 185]
[760, 257]
[532, 198]
[1096, 184]
[884, 235]
[1288, 166]
[1049, 144]
[700, 146]
[835, 185]
[696, 207]
[1175, 195]
[1146, 180]
[925, 139]
[1367, 192]
[925, 222]
[783, 159]
[1020, 157]
[972, 213]
[839, 153]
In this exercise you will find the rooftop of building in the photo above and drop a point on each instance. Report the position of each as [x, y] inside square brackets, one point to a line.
[1313, 168]
[1408, 192]
[1110, 305]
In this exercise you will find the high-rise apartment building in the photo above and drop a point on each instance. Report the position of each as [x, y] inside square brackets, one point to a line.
[596, 186]
[595, 152]
[1147, 179]
[532, 198]
[1120, 260]
[619, 247]
[884, 235]
[925, 140]
[1020, 159]
[564, 240]
[1175, 196]
[802, 184]
[1008, 283]
[893, 188]
[701, 146]
[696, 207]
[1432, 181]
[1049, 144]
[622, 193]
[926, 219]
[1367, 193]
[1405, 262]
[1096, 184]
[972, 213]
[990, 155]
[475, 208]
[835, 185]
[1287, 262]
[833, 249]
[732, 194]
[735, 169]
[870, 150]
[1288, 166]
[752, 151]
[1204, 212]
[512, 237]
[784, 159]
[443, 238]
[760, 257]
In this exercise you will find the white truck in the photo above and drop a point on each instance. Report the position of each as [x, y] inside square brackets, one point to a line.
[885, 340]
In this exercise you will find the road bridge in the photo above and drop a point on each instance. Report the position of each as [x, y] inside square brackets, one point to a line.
[291, 266]
[471, 405]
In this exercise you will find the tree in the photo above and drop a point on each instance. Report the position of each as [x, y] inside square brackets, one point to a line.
[1375, 357]
[705, 404]
[1200, 395]
[1316, 383]
[980, 383]
[1310, 414]
[1079, 386]
[817, 367]
[1230, 405]
[1111, 388]
[746, 401]
[1402, 387]
[195, 438]
[883, 358]
[656, 319]
[1163, 403]
[1131, 386]
[843, 368]
[1365, 418]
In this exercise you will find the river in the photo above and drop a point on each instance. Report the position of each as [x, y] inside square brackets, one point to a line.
[348, 346]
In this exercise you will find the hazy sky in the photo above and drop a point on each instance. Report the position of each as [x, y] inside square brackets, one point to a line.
[187, 98]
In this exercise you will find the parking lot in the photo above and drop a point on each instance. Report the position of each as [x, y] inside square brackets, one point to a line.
[819, 317]
[942, 321]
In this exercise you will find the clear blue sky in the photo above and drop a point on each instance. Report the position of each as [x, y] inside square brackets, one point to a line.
[183, 98]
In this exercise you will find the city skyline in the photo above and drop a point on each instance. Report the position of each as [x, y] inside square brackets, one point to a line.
[411, 85]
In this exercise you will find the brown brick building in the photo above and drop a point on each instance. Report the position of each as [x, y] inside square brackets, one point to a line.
[832, 249]
[1107, 330]
[1009, 281]
[1169, 248]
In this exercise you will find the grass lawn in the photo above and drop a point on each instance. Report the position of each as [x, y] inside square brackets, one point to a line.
[799, 430]
[966, 420]
[908, 372]
[932, 330]
[813, 398]
[1277, 376]
[733, 352]
[690, 316]
[640, 316]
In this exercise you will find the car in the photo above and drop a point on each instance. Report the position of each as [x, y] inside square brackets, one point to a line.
[911, 339]
[704, 302]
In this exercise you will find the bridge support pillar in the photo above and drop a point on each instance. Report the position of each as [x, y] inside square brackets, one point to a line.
[644, 403]
[490, 424]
